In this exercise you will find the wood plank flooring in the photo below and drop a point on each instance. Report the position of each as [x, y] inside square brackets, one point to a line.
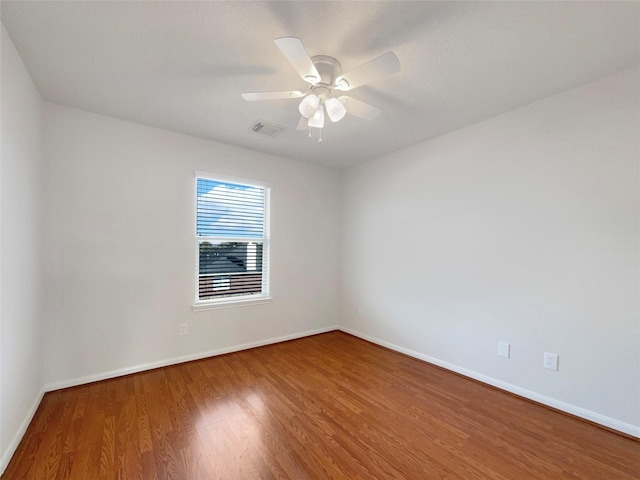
[325, 407]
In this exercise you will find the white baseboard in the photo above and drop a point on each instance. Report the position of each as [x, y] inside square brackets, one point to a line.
[603, 420]
[186, 358]
[11, 448]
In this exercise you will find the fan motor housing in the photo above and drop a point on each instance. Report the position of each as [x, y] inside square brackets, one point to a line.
[328, 67]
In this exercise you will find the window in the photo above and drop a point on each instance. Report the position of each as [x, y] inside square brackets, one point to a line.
[231, 240]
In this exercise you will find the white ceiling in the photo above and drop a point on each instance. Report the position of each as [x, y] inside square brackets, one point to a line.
[182, 65]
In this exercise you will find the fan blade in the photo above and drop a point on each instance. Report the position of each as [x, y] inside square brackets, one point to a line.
[293, 49]
[360, 109]
[250, 97]
[382, 66]
[302, 124]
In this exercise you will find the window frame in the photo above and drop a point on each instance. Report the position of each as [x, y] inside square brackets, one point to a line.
[244, 300]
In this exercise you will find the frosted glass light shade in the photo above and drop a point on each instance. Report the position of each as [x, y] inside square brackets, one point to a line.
[317, 121]
[335, 109]
[309, 105]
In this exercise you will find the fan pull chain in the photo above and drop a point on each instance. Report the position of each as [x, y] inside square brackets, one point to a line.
[309, 132]
[320, 136]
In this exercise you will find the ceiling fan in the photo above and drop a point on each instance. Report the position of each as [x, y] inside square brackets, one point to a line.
[324, 75]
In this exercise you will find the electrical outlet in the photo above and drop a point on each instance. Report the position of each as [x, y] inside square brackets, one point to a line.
[184, 329]
[504, 349]
[551, 361]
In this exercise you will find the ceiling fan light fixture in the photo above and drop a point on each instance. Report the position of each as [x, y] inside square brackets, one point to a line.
[317, 121]
[309, 106]
[335, 109]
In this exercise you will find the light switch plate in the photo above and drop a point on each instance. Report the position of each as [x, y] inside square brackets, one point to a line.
[504, 349]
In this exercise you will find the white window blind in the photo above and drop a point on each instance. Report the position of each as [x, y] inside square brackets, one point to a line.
[232, 240]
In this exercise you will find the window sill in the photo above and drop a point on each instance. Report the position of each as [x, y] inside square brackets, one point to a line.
[198, 307]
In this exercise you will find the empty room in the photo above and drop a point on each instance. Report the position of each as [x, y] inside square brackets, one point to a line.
[250, 240]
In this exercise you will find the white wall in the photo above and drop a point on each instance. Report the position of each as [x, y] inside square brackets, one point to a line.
[21, 358]
[120, 232]
[523, 228]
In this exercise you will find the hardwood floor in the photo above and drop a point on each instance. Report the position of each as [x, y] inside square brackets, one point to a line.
[328, 406]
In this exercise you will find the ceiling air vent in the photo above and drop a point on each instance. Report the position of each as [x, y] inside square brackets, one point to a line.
[268, 129]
